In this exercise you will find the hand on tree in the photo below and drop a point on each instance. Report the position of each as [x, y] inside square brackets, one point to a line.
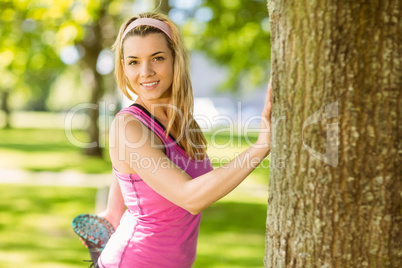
[264, 138]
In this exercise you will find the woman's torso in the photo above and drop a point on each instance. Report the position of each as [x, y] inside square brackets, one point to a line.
[154, 232]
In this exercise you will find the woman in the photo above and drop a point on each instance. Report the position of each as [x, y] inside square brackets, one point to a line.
[162, 172]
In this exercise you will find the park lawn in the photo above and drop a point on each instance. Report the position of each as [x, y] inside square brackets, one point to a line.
[35, 226]
[35, 221]
[35, 229]
[47, 150]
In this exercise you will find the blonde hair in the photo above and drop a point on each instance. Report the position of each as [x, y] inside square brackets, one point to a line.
[181, 117]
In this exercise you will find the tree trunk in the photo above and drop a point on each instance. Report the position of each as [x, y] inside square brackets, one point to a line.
[335, 179]
[93, 46]
[4, 107]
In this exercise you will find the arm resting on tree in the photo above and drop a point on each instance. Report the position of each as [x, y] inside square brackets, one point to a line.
[133, 151]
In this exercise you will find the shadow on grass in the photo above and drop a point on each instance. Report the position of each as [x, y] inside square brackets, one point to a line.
[231, 216]
[232, 235]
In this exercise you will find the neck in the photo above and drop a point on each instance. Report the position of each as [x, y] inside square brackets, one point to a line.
[158, 108]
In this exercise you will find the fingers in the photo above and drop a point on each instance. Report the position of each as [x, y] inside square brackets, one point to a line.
[265, 131]
[267, 105]
[269, 91]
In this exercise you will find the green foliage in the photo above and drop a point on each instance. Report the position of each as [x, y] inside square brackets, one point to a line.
[29, 64]
[32, 36]
[237, 36]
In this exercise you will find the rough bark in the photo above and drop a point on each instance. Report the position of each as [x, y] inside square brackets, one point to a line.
[335, 198]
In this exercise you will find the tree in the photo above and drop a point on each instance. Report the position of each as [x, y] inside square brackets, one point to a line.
[233, 33]
[335, 196]
[93, 45]
[28, 65]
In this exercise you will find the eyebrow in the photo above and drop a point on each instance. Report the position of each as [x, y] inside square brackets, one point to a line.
[153, 54]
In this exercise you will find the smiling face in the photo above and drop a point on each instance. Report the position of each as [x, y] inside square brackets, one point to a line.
[148, 65]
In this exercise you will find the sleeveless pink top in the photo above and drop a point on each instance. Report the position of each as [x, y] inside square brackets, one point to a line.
[153, 231]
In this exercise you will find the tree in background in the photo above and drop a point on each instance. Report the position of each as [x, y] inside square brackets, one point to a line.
[235, 34]
[34, 36]
[335, 198]
[28, 65]
[101, 33]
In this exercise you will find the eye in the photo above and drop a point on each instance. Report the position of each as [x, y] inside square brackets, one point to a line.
[159, 58]
[133, 62]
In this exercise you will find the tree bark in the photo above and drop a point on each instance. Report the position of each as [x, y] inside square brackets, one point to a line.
[335, 180]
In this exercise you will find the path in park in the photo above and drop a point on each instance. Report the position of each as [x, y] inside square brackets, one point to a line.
[64, 178]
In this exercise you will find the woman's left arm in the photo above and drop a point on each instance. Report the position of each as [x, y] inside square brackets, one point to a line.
[115, 204]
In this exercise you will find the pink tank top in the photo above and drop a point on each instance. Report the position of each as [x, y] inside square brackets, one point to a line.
[153, 231]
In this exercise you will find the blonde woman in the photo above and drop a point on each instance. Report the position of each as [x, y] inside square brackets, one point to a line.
[162, 173]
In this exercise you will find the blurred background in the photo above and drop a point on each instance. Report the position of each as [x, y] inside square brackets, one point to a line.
[58, 97]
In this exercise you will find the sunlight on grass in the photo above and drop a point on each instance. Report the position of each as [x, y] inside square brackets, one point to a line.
[35, 225]
[47, 150]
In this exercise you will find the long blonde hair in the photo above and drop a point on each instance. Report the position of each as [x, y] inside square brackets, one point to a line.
[181, 118]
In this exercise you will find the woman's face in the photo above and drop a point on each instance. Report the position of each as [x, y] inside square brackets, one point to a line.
[148, 65]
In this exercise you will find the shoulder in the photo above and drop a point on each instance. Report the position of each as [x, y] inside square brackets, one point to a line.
[128, 130]
[128, 126]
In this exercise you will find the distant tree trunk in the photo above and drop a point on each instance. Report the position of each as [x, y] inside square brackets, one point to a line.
[4, 107]
[335, 180]
[93, 46]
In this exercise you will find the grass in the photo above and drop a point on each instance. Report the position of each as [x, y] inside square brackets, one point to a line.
[35, 226]
[232, 235]
[35, 221]
[47, 150]
[35, 229]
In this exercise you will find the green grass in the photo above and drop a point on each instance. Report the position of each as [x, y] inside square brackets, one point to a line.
[232, 235]
[35, 229]
[35, 226]
[35, 221]
[47, 150]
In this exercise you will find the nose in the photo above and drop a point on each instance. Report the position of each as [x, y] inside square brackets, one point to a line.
[146, 70]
